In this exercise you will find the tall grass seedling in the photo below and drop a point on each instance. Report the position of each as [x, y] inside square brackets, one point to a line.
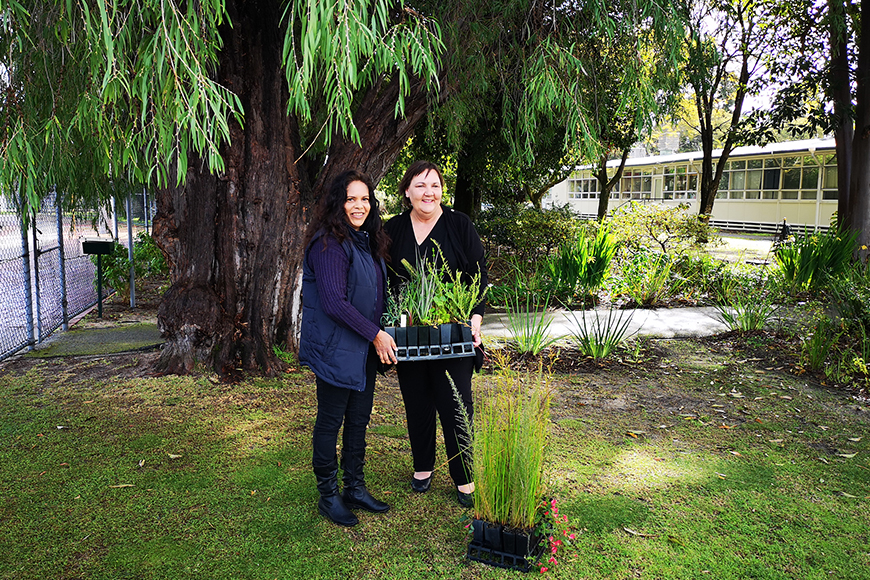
[529, 326]
[600, 336]
[746, 312]
[816, 347]
[511, 424]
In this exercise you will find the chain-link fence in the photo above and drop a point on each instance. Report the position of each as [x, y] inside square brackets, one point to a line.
[45, 278]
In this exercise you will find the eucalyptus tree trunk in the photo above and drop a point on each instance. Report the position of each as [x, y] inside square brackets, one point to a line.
[234, 241]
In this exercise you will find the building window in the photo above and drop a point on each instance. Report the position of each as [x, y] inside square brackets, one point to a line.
[582, 186]
[636, 184]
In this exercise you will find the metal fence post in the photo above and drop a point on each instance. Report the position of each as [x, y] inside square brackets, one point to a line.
[36, 253]
[25, 264]
[130, 250]
[64, 304]
[146, 211]
[114, 220]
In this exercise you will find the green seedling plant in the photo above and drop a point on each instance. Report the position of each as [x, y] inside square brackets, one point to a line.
[745, 312]
[646, 278]
[529, 326]
[434, 294]
[511, 426]
[812, 259]
[602, 335]
[818, 344]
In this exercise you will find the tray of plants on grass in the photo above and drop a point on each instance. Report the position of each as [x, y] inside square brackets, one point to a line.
[430, 316]
[515, 525]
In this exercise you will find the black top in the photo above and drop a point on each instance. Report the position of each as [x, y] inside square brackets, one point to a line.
[455, 235]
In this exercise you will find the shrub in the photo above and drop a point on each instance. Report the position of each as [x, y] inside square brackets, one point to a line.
[646, 278]
[528, 232]
[812, 260]
[580, 266]
[663, 229]
[148, 261]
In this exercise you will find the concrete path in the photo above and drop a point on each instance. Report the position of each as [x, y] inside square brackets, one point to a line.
[660, 323]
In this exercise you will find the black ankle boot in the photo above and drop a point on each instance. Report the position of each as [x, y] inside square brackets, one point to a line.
[331, 505]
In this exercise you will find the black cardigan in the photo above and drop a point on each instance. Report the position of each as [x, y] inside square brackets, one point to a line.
[462, 244]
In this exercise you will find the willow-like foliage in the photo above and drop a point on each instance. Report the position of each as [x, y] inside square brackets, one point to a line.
[125, 90]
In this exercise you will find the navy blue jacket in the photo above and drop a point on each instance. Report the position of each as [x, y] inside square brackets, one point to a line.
[331, 349]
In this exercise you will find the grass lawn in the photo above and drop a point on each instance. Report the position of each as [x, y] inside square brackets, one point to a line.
[708, 459]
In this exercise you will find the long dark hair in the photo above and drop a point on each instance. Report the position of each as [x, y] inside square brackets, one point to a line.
[415, 169]
[329, 214]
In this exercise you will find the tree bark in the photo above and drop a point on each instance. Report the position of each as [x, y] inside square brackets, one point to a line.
[841, 97]
[859, 183]
[234, 241]
[606, 186]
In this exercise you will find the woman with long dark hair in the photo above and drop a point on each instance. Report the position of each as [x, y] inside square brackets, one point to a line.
[343, 282]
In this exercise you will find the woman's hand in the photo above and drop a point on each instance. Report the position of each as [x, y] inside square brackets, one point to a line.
[385, 347]
[476, 320]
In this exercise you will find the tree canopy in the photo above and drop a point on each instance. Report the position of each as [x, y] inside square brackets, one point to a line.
[238, 112]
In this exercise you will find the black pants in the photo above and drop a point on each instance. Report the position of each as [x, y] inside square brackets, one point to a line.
[336, 405]
[425, 390]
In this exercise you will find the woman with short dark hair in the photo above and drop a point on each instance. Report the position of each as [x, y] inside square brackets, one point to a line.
[429, 230]
[343, 282]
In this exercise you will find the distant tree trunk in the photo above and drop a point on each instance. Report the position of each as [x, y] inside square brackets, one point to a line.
[858, 211]
[466, 195]
[234, 241]
[841, 96]
[606, 186]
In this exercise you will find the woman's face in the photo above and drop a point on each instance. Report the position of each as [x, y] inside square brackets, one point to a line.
[357, 205]
[425, 193]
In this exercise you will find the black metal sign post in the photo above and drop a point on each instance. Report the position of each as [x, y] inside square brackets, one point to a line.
[98, 247]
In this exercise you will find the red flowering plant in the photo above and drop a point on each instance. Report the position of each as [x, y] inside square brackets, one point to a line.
[556, 534]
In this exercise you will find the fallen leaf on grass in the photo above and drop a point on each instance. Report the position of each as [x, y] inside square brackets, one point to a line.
[855, 439]
[776, 441]
[786, 397]
[142, 463]
[174, 456]
[120, 485]
[726, 426]
[638, 534]
[721, 475]
[844, 494]
[735, 453]
[847, 455]
[635, 434]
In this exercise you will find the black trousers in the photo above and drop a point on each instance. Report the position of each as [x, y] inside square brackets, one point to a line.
[425, 390]
[337, 405]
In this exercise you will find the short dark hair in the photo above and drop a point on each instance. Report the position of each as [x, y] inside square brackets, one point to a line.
[329, 214]
[415, 169]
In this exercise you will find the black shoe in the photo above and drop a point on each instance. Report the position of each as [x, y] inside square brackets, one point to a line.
[421, 485]
[466, 500]
[333, 508]
[359, 497]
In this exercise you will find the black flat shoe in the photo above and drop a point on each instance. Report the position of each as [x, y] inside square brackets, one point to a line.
[466, 500]
[421, 485]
